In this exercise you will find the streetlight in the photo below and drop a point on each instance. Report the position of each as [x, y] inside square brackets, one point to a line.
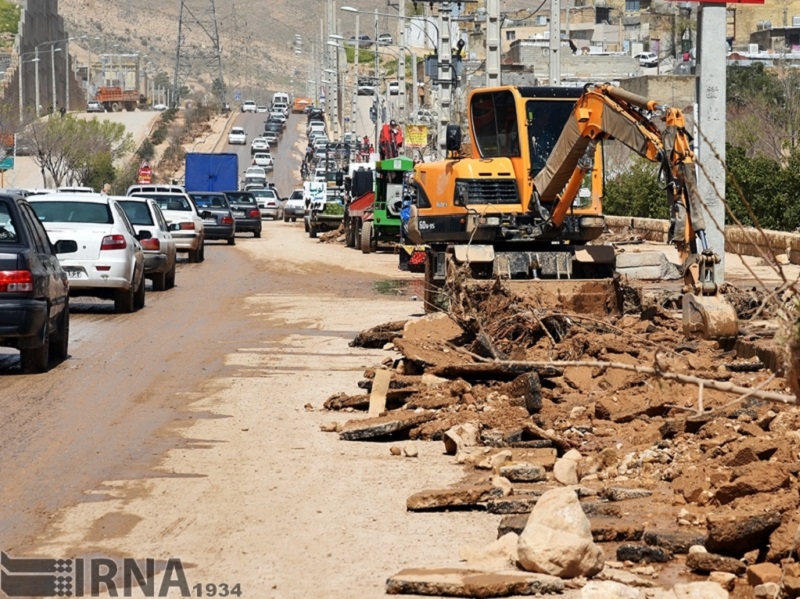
[19, 78]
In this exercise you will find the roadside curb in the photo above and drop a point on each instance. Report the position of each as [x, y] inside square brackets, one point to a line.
[224, 133]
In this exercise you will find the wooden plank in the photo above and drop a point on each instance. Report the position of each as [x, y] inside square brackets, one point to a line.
[380, 387]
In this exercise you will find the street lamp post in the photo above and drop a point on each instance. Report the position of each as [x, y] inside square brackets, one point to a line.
[20, 70]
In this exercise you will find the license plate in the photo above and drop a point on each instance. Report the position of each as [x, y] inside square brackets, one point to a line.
[210, 221]
[73, 273]
[238, 212]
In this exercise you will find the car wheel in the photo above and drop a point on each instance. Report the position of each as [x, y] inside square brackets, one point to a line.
[171, 277]
[124, 302]
[201, 254]
[285, 218]
[159, 281]
[59, 341]
[34, 360]
[138, 297]
[231, 240]
[257, 234]
[194, 256]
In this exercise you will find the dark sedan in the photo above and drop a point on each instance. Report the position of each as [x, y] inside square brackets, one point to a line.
[245, 211]
[34, 297]
[218, 217]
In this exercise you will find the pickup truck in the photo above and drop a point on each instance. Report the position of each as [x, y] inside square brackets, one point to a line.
[34, 290]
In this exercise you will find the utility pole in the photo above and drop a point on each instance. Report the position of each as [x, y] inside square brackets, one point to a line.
[711, 99]
[197, 24]
[555, 42]
[356, 52]
[493, 78]
[445, 75]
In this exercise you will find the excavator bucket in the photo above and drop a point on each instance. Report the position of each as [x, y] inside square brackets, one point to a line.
[709, 316]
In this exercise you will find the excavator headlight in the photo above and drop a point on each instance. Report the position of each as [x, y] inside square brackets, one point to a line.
[461, 196]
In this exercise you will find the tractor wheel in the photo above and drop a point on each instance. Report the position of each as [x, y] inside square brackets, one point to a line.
[366, 237]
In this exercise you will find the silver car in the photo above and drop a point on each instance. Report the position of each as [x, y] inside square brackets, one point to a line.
[160, 254]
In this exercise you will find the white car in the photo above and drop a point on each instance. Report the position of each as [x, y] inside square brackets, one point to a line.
[271, 137]
[261, 109]
[394, 88]
[160, 253]
[647, 59]
[259, 144]
[185, 223]
[269, 204]
[278, 116]
[294, 206]
[237, 136]
[109, 262]
[249, 106]
[264, 160]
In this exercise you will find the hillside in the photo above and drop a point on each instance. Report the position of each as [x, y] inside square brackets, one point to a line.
[256, 36]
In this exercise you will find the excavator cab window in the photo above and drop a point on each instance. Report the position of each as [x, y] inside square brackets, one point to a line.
[546, 120]
[494, 118]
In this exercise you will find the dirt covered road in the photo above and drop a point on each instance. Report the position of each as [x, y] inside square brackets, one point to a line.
[238, 481]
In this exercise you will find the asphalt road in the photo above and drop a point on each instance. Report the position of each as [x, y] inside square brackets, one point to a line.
[94, 417]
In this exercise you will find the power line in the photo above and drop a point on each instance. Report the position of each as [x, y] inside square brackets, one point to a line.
[197, 25]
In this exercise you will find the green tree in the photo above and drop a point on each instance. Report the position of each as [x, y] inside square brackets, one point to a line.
[64, 147]
[636, 192]
[9, 17]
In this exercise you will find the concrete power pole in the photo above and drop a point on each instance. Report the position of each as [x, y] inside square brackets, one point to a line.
[445, 75]
[493, 67]
[711, 125]
[555, 42]
[197, 24]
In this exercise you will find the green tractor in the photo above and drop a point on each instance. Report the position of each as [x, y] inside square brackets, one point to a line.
[380, 222]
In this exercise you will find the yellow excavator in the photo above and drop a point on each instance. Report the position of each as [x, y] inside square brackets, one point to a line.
[528, 200]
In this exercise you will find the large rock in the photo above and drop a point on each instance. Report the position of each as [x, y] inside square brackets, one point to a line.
[711, 562]
[607, 589]
[500, 554]
[736, 534]
[566, 472]
[674, 541]
[454, 582]
[700, 590]
[557, 539]
[462, 497]
[763, 573]
[756, 477]
[782, 542]
[460, 436]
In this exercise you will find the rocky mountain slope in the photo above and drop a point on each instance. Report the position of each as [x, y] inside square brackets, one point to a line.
[256, 37]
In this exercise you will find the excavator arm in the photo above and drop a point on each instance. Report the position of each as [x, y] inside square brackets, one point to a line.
[607, 112]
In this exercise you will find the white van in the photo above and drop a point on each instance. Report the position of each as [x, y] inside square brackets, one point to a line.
[280, 98]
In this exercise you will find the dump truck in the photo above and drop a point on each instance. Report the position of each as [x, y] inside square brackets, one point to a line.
[114, 99]
[527, 203]
[300, 104]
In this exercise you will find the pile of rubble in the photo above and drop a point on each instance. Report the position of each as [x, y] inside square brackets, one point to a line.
[622, 456]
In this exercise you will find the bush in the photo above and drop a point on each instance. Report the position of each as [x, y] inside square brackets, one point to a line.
[159, 134]
[637, 192]
[146, 151]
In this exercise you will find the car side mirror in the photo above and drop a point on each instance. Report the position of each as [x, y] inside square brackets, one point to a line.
[144, 234]
[65, 246]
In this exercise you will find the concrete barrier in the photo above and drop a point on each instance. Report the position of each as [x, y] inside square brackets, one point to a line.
[746, 241]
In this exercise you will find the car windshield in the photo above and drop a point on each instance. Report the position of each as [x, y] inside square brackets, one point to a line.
[264, 193]
[172, 202]
[138, 212]
[70, 211]
[209, 201]
[241, 197]
[8, 232]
